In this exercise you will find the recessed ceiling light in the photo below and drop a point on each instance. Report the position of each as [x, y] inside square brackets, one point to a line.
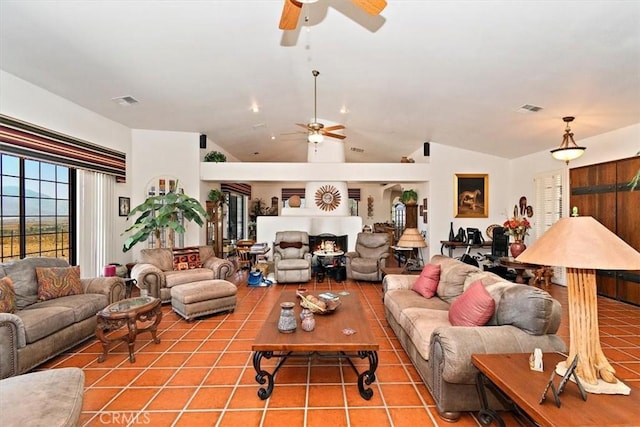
[255, 108]
[344, 110]
[529, 108]
[125, 101]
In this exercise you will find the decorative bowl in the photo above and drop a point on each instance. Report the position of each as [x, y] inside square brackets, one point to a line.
[331, 305]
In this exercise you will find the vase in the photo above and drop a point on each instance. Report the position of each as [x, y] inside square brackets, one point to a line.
[517, 248]
[287, 321]
[451, 234]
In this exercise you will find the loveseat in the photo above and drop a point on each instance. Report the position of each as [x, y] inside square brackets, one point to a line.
[160, 269]
[520, 319]
[38, 330]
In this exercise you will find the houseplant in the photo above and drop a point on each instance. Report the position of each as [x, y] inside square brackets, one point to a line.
[216, 196]
[409, 197]
[215, 156]
[518, 228]
[163, 212]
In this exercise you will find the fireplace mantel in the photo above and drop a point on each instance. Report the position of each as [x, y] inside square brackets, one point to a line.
[267, 226]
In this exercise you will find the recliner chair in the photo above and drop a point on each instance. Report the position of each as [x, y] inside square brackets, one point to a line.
[291, 257]
[369, 258]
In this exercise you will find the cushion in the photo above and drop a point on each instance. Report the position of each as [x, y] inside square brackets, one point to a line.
[25, 281]
[473, 308]
[285, 245]
[55, 282]
[186, 258]
[7, 296]
[427, 283]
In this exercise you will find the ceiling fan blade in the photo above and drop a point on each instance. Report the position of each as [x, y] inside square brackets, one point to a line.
[333, 135]
[336, 127]
[372, 7]
[302, 126]
[290, 14]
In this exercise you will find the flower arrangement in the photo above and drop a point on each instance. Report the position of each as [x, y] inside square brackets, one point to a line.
[517, 227]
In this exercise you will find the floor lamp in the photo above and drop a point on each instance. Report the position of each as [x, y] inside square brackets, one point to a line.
[582, 245]
[411, 238]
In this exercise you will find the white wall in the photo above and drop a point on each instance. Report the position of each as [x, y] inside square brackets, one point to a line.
[25, 101]
[448, 161]
[158, 154]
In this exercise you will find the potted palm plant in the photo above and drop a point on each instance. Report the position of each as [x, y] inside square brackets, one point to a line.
[163, 212]
[215, 156]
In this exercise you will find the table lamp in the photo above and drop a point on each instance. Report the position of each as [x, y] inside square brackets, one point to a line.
[582, 245]
[411, 238]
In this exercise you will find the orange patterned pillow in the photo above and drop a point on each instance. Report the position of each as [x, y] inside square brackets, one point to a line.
[7, 295]
[186, 258]
[55, 282]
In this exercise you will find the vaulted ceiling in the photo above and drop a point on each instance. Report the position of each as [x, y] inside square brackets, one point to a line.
[450, 72]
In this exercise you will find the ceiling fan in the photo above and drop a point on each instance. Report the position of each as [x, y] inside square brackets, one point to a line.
[292, 8]
[317, 130]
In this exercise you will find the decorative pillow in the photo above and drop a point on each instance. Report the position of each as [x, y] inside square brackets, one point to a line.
[186, 258]
[427, 282]
[285, 245]
[55, 282]
[7, 295]
[473, 308]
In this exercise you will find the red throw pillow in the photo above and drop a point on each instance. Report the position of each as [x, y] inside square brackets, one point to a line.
[186, 258]
[473, 308]
[428, 280]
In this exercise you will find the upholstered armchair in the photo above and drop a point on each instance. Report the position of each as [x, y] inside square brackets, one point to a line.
[159, 269]
[291, 257]
[370, 256]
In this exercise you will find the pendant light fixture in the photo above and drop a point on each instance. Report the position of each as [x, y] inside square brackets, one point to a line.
[568, 150]
[315, 136]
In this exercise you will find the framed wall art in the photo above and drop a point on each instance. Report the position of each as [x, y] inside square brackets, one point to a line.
[471, 195]
[124, 206]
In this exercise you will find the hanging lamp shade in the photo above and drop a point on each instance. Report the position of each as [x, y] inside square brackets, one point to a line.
[411, 238]
[568, 150]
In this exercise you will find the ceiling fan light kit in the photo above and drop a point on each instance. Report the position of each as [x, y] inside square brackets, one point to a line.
[568, 150]
[291, 10]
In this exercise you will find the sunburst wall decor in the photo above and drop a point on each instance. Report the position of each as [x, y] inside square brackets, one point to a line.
[327, 197]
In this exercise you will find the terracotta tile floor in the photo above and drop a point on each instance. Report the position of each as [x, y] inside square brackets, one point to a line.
[201, 374]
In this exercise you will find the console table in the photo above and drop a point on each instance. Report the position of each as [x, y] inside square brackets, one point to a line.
[455, 245]
[510, 374]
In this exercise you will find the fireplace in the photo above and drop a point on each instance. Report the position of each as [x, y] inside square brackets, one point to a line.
[327, 240]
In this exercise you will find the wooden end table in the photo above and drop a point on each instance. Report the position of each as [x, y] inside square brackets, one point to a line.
[128, 312]
[511, 375]
[518, 266]
[326, 340]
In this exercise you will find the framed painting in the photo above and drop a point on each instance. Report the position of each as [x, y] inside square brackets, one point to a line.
[124, 206]
[471, 195]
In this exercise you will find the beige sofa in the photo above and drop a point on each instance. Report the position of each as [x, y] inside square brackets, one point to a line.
[155, 271]
[38, 331]
[525, 318]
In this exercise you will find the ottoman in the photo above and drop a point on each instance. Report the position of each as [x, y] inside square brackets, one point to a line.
[197, 299]
[44, 398]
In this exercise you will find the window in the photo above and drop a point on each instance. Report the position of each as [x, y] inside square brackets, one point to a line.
[549, 205]
[236, 216]
[36, 209]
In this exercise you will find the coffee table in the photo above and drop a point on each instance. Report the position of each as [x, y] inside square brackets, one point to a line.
[510, 374]
[128, 312]
[326, 340]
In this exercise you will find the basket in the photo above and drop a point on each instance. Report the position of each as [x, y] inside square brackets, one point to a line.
[332, 305]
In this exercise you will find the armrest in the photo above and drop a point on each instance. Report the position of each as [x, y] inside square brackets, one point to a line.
[277, 257]
[308, 257]
[352, 254]
[221, 268]
[12, 338]
[452, 347]
[112, 287]
[398, 281]
[149, 277]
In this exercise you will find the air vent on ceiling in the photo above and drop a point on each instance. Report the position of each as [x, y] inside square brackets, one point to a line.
[357, 150]
[528, 108]
[125, 101]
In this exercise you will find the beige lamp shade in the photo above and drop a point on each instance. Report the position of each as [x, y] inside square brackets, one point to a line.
[581, 242]
[411, 238]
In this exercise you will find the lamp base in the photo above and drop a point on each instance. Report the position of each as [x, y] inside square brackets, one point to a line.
[601, 387]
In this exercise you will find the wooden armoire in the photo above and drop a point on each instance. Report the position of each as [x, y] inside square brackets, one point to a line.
[602, 191]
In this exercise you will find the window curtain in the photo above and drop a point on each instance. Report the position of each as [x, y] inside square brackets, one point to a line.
[97, 210]
[26, 140]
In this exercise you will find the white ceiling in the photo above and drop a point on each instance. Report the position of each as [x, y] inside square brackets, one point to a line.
[451, 72]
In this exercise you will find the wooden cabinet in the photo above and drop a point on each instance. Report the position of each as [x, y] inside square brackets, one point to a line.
[602, 191]
[214, 227]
